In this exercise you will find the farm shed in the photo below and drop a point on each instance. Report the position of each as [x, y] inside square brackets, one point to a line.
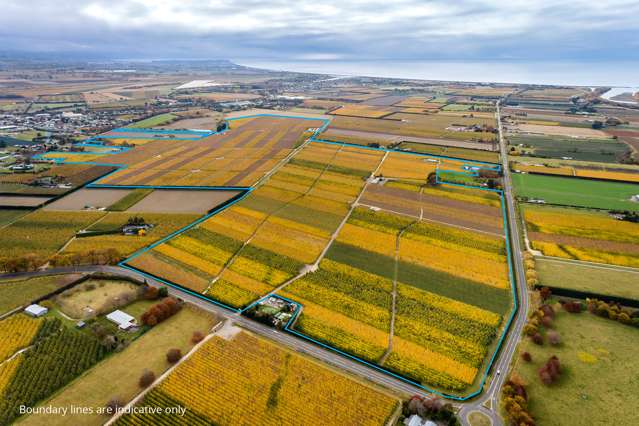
[123, 320]
[35, 310]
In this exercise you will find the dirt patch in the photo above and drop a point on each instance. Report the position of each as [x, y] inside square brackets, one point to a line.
[22, 201]
[228, 331]
[181, 201]
[92, 197]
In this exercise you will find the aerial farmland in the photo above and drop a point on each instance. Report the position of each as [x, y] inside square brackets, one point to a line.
[340, 252]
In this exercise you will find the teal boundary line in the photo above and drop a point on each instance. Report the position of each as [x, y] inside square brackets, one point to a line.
[216, 210]
[481, 164]
[160, 131]
[195, 138]
[405, 379]
[95, 142]
[239, 197]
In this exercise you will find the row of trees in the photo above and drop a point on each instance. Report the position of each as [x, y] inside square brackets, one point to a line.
[32, 261]
[614, 311]
[108, 256]
[27, 262]
[154, 293]
[515, 402]
[542, 320]
[161, 311]
[430, 408]
[52, 363]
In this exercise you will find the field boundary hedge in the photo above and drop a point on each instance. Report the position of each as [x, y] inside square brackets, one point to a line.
[579, 294]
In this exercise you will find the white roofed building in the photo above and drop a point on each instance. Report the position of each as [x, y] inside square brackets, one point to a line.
[123, 320]
[35, 310]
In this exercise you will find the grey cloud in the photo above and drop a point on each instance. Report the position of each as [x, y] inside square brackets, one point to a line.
[324, 29]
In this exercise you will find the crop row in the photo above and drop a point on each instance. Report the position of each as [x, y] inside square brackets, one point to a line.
[223, 378]
[43, 232]
[263, 240]
[50, 364]
[16, 332]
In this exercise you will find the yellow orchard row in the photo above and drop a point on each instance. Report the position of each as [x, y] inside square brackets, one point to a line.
[223, 378]
[586, 254]
[16, 332]
[456, 261]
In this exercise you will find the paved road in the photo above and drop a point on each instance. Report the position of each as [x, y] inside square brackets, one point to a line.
[491, 394]
[280, 337]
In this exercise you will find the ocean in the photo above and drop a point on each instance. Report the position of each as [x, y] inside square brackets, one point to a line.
[613, 74]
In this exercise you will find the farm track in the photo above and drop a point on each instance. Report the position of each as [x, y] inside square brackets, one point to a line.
[422, 217]
[315, 265]
[393, 310]
[285, 142]
[271, 214]
[70, 240]
[427, 207]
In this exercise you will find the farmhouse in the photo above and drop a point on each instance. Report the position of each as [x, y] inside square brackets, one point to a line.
[35, 310]
[136, 229]
[123, 320]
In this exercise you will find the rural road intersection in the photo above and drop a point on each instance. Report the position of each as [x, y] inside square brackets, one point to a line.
[487, 402]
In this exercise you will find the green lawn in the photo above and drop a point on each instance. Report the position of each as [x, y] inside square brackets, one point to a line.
[600, 379]
[156, 120]
[577, 192]
[594, 279]
[14, 293]
[600, 150]
[118, 374]
[130, 199]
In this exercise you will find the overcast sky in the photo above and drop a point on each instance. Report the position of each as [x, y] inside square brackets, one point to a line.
[324, 29]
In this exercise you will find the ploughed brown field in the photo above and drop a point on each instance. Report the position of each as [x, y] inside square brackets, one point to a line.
[92, 197]
[181, 201]
[449, 211]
